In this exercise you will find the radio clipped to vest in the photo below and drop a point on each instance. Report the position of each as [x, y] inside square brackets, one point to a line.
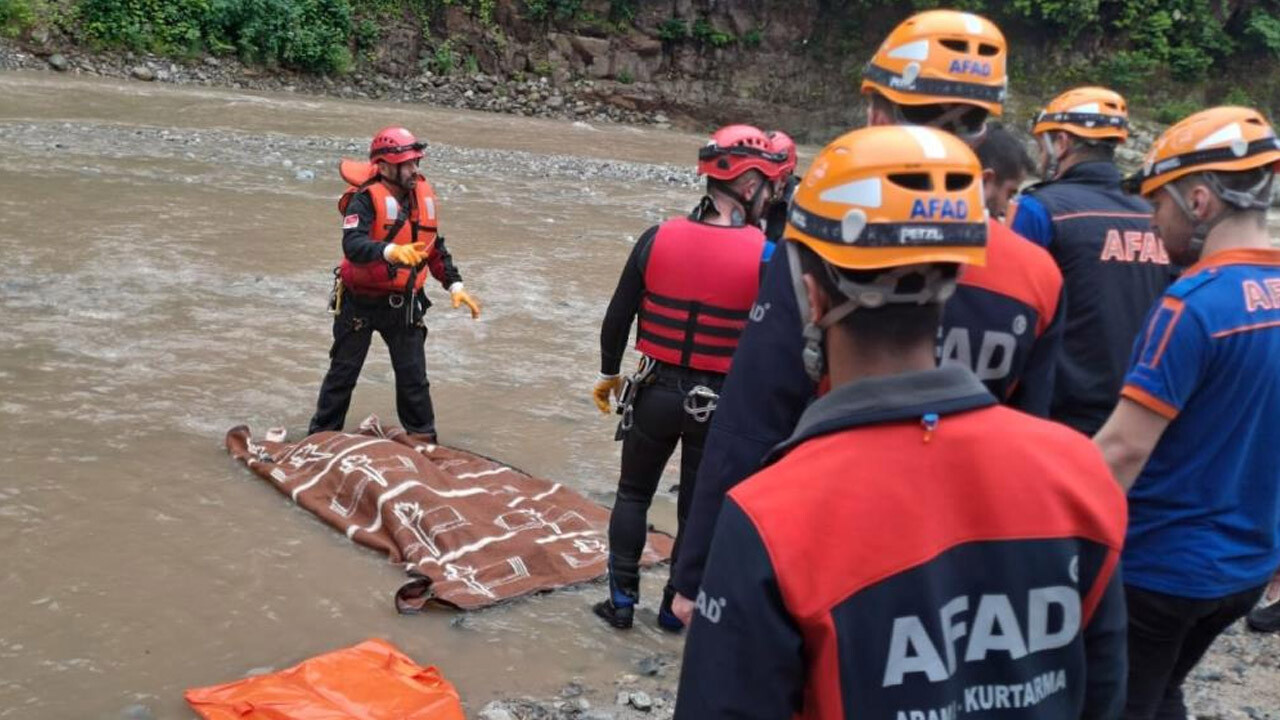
[335, 294]
[627, 396]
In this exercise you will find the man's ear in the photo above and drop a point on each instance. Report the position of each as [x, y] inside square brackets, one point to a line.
[819, 301]
[1201, 199]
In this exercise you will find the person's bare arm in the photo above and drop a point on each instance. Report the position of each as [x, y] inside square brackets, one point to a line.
[1128, 438]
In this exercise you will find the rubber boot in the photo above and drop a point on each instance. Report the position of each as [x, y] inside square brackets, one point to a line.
[619, 609]
[667, 619]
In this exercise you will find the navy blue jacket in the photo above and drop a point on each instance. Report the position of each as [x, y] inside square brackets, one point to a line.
[1114, 267]
[1004, 322]
[882, 569]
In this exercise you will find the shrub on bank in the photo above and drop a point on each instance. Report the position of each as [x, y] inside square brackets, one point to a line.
[310, 35]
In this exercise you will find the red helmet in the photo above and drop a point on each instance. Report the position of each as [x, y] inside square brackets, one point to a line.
[395, 145]
[782, 143]
[735, 149]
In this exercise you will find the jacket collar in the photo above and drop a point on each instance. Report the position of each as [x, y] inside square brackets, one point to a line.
[1094, 172]
[942, 391]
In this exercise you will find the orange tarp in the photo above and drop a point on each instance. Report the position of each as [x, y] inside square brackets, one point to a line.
[370, 681]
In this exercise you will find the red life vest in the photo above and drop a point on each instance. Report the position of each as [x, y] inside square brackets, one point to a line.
[392, 223]
[700, 283]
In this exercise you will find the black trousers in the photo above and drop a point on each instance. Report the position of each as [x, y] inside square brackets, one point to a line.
[659, 424]
[1167, 637]
[353, 330]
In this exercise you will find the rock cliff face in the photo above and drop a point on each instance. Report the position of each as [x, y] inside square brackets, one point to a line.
[772, 62]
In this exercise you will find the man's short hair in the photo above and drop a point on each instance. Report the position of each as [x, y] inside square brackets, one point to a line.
[1093, 150]
[1242, 181]
[1003, 154]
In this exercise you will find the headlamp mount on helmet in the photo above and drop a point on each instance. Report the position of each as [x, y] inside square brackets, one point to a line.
[417, 147]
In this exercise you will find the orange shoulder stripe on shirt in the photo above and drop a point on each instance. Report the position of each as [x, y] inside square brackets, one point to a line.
[1019, 269]
[1239, 256]
[1149, 401]
[1176, 306]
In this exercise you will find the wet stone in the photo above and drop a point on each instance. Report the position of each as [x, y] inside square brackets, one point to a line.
[495, 710]
[143, 73]
[137, 712]
[572, 690]
[58, 62]
[640, 700]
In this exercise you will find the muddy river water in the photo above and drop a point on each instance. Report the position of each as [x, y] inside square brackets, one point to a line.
[163, 276]
[165, 258]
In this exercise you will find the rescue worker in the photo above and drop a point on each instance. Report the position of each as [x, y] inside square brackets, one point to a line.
[1112, 263]
[691, 280]
[1005, 167]
[945, 69]
[1194, 437]
[783, 186]
[390, 241]
[841, 580]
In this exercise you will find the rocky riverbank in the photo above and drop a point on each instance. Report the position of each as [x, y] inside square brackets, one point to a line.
[582, 99]
[1238, 680]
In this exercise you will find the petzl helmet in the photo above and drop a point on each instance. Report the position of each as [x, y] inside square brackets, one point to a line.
[938, 57]
[889, 196]
[1094, 113]
[1226, 139]
[782, 144]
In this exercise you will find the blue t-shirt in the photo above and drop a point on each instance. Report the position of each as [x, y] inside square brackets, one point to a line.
[1031, 220]
[1204, 514]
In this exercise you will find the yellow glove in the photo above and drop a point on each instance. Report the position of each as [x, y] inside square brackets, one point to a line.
[606, 385]
[408, 255]
[462, 297]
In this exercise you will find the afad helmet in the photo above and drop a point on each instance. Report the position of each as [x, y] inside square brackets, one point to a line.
[736, 149]
[890, 210]
[890, 196]
[1094, 113]
[1225, 139]
[395, 145]
[941, 56]
[782, 143]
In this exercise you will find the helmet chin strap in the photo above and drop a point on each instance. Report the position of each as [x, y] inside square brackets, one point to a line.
[939, 285]
[1251, 199]
[1052, 160]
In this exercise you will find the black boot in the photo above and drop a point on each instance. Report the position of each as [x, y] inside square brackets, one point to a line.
[619, 609]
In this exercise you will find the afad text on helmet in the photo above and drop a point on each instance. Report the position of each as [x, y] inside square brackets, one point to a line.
[939, 209]
[970, 67]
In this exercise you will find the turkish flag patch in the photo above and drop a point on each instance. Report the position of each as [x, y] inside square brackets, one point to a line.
[350, 221]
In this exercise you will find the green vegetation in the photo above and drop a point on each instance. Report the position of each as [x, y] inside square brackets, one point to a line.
[1164, 55]
[673, 30]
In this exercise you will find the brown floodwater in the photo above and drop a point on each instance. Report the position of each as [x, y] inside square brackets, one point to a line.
[164, 277]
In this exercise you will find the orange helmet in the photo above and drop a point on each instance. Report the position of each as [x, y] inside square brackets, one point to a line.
[1229, 139]
[890, 196]
[941, 56]
[735, 149]
[1095, 113]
